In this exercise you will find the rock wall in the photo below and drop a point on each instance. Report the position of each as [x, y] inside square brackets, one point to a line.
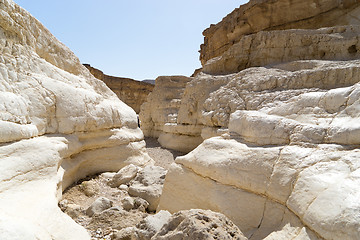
[264, 15]
[130, 91]
[280, 127]
[57, 124]
[158, 115]
[286, 162]
[273, 47]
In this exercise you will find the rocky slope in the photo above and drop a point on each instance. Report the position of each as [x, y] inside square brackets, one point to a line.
[279, 114]
[57, 124]
[130, 91]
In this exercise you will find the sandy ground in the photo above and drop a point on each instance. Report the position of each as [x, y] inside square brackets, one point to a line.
[163, 157]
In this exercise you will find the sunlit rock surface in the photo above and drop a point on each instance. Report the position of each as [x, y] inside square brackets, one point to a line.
[57, 125]
[263, 15]
[280, 125]
[130, 91]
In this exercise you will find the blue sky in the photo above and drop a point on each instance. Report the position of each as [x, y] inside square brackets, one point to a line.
[140, 39]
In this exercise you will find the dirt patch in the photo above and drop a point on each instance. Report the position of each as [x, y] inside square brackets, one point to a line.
[163, 157]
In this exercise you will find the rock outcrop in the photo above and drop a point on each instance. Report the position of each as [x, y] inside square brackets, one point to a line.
[130, 91]
[159, 115]
[264, 15]
[207, 101]
[57, 124]
[273, 47]
[281, 127]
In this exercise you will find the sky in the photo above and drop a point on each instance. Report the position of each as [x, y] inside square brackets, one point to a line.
[139, 39]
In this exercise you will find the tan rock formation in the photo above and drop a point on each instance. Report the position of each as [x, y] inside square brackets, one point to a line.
[158, 115]
[288, 165]
[57, 124]
[273, 47]
[264, 15]
[285, 162]
[130, 91]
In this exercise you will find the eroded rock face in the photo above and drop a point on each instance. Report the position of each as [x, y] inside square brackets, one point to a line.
[281, 125]
[158, 115]
[289, 153]
[130, 91]
[274, 47]
[57, 124]
[263, 15]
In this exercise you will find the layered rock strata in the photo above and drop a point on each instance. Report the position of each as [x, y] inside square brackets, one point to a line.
[130, 91]
[57, 124]
[286, 164]
[263, 15]
[208, 101]
[159, 115]
[281, 127]
[273, 47]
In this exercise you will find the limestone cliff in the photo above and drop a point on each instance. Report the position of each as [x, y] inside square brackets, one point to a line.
[264, 15]
[130, 91]
[278, 110]
[158, 115]
[57, 124]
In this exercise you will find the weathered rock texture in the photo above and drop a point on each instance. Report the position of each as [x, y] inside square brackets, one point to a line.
[188, 224]
[158, 115]
[280, 156]
[273, 47]
[264, 15]
[130, 91]
[209, 98]
[57, 125]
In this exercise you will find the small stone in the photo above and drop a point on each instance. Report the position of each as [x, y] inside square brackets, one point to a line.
[128, 203]
[98, 206]
[107, 175]
[63, 204]
[141, 204]
[128, 233]
[124, 187]
[89, 188]
[74, 210]
[124, 175]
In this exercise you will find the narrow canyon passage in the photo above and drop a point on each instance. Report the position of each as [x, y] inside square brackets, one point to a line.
[122, 210]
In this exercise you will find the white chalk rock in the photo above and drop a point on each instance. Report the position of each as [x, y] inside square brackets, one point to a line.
[98, 206]
[124, 175]
[58, 124]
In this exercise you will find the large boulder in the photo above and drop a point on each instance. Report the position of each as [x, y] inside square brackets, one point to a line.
[188, 224]
[148, 185]
[199, 224]
[57, 124]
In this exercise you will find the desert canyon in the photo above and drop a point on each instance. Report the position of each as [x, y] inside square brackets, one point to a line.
[266, 134]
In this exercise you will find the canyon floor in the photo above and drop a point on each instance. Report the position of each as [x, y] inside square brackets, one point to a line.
[82, 194]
